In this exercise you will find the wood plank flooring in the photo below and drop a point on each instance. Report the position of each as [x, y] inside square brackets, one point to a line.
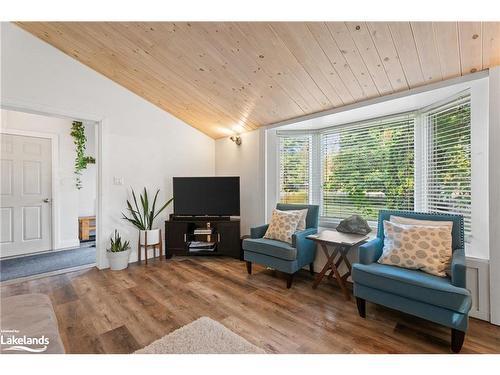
[122, 311]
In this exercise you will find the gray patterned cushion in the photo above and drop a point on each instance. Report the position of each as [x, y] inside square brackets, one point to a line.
[283, 225]
[425, 223]
[302, 222]
[426, 248]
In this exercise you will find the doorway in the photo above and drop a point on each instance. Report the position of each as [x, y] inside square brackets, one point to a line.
[48, 211]
[26, 193]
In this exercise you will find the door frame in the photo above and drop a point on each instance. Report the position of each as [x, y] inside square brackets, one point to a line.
[54, 144]
[101, 124]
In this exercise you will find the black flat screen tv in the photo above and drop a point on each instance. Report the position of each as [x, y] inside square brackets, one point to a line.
[211, 196]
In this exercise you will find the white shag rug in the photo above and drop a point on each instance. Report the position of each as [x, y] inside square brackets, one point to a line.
[203, 336]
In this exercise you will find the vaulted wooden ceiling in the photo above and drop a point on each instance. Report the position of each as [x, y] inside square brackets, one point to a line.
[231, 77]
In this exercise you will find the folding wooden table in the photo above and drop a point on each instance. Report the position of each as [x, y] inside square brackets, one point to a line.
[336, 244]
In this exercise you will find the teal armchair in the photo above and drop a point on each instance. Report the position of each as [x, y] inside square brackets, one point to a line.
[443, 300]
[281, 255]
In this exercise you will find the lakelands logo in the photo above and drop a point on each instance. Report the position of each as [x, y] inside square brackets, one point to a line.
[15, 342]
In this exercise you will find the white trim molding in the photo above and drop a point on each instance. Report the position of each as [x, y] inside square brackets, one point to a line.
[478, 284]
[494, 192]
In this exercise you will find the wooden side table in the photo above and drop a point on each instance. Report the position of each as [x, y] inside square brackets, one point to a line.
[336, 244]
[146, 247]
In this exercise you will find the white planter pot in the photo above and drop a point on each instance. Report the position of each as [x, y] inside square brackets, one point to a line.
[118, 261]
[153, 237]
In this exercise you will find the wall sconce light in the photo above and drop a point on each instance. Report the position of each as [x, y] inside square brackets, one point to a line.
[236, 139]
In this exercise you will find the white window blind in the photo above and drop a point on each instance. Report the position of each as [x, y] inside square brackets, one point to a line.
[367, 167]
[294, 168]
[447, 176]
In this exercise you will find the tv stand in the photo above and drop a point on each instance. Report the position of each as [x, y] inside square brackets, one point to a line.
[179, 233]
[199, 217]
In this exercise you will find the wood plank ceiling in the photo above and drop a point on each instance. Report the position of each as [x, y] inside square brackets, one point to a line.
[231, 77]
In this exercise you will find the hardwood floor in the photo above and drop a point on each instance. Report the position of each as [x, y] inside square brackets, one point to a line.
[121, 311]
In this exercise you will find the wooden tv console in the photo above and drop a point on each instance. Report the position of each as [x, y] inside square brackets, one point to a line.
[225, 233]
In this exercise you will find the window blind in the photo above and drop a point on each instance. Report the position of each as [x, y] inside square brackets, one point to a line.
[295, 168]
[447, 180]
[367, 167]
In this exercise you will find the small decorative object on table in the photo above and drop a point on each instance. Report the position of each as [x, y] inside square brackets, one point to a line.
[142, 218]
[354, 224]
[118, 252]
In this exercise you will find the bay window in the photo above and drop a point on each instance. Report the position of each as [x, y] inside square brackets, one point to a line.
[415, 161]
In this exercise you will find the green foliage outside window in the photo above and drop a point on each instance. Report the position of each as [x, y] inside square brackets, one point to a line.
[367, 170]
[294, 171]
[450, 179]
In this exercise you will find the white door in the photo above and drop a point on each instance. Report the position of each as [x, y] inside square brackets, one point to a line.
[25, 195]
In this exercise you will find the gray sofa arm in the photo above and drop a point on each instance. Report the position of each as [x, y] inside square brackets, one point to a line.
[258, 232]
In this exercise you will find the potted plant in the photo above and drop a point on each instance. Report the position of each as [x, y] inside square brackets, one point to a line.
[118, 252]
[142, 217]
[81, 161]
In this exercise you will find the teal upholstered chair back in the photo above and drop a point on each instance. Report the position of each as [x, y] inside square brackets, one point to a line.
[457, 232]
[312, 213]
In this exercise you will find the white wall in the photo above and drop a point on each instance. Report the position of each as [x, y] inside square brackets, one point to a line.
[245, 161]
[87, 195]
[494, 193]
[67, 205]
[141, 143]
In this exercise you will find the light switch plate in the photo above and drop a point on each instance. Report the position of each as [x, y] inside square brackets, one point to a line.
[117, 180]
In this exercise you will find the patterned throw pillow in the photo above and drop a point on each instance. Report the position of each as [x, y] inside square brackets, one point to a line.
[424, 248]
[283, 225]
[424, 223]
[302, 221]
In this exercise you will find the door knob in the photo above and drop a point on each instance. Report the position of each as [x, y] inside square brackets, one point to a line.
[46, 200]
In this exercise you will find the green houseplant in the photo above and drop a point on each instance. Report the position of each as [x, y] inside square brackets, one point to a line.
[142, 216]
[118, 252]
[81, 160]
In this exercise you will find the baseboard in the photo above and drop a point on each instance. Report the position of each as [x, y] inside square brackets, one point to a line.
[478, 284]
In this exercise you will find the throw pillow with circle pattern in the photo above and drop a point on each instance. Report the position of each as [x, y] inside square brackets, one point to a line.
[283, 225]
[303, 216]
[425, 248]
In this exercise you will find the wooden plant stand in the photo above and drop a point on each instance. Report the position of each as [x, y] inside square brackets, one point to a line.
[146, 247]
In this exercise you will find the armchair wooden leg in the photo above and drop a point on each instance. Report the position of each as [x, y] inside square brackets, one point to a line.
[249, 267]
[457, 340]
[311, 268]
[361, 303]
[289, 280]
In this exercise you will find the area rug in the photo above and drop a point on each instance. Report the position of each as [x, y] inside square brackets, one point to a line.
[203, 336]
